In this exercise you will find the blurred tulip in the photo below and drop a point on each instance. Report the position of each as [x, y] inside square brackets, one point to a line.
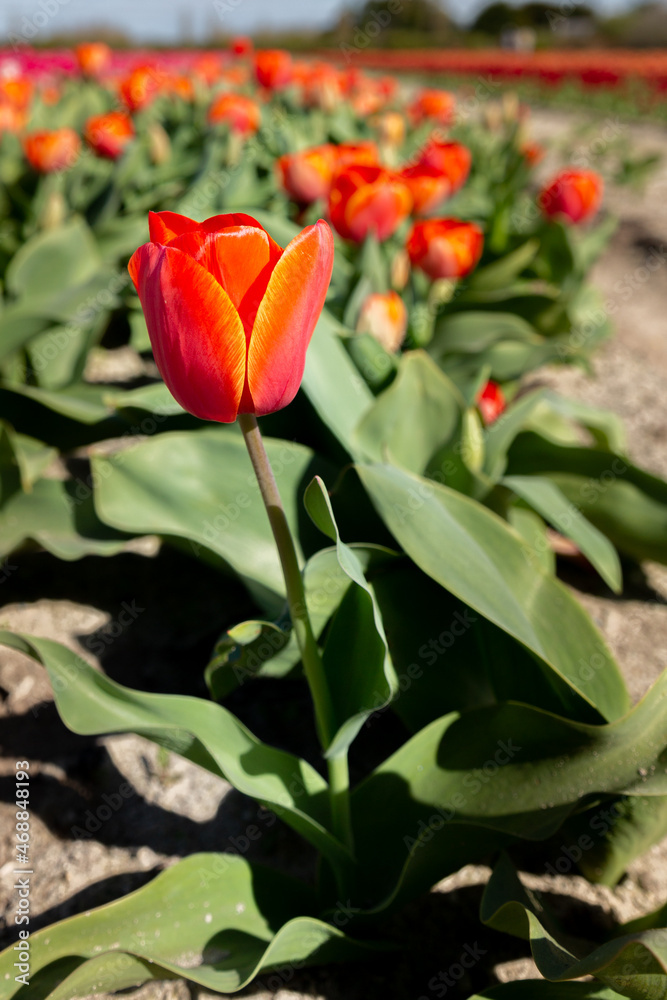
[242, 46]
[450, 158]
[11, 119]
[307, 175]
[207, 68]
[273, 68]
[428, 186]
[240, 113]
[94, 58]
[491, 402]
[230, 314]
[140, 87]
[17, 91]
[384, 317]
[391, 128]
[445, 248]
[322, 87]
[181, 87]
[573, 194]
[433, 105]
[109, 134]
[532, 153]
[356, 154]
[48, 151]
[368, 200]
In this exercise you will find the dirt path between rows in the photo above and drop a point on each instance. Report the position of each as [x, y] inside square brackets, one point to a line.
[174, 808]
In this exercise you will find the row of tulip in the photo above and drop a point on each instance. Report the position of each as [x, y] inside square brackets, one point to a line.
[376, 281]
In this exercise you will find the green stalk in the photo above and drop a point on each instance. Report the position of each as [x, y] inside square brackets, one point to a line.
[296, 598]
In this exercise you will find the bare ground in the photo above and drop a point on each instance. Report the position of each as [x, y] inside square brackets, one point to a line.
[175, 808]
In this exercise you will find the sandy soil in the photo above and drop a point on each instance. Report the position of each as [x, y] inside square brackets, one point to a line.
[175, 808]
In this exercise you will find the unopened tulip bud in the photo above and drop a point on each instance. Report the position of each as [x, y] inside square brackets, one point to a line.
[384, 317]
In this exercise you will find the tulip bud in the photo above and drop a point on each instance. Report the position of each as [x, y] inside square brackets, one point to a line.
[573, 194]
[384, 317]
[445, 248]
[491, 402]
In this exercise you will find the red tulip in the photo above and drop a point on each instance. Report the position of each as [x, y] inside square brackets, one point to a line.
[428, 186]
[109, 134]
[491, 402]
[368, 199]
[242, 46]
[445, 248]
[139, 88]
[48, 151]
[450, 158]
[273, 68]
[350, 154]
[433, 105]
[230, 314]
[574, 194]
[306, 175]
[94, 58]
[385, 317]
[241, 113]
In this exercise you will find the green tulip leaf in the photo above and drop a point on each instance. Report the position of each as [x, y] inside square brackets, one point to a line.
[359, 672]
[476, 556]
[201, 731]
[634, 965]
[470, 782]
[199, 485]
[544, 496]
[417, 415]
[211, 919]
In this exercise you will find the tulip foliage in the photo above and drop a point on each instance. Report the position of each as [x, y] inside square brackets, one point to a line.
[378, 281]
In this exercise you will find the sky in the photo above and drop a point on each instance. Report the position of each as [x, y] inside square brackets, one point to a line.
[168, 21]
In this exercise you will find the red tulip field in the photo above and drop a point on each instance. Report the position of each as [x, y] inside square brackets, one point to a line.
[333, 524]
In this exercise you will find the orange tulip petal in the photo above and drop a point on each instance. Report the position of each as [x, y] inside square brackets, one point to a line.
[163, 227]
[286, 318]
[196, 333]
[220, 253]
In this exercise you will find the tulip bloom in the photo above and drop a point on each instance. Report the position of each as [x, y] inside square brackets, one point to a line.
[391, 127]
[428, 187]
[139, 88]
[94, 58]
[433, 105]
[350, 154]
[48, 151]
[445, 248]
[242, 114]
[109, 134]
[491, 402]
[574, 194]
[451, 159]
[230, 314]
[307, 175]
[368, 200]
[242, 46]
[273, 68]
[385, 317]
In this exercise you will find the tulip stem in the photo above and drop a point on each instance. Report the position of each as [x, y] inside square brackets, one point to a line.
[296, 599]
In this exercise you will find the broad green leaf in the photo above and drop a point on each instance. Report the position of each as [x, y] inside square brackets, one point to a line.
[635, 965]
[60, 517]
[81, 402]
[332, 383]
[505, 270]
[28, 456]
[637, 823]
[199, 485]
[507, 768]
[545, 497]
[418, 414]
[476, 555]
[625, 503]
[90, 703]
[52, 261]
[533, 530]
[606, 427]
[212, 919]
[471, 332]
[501, 433]
[360, 676]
